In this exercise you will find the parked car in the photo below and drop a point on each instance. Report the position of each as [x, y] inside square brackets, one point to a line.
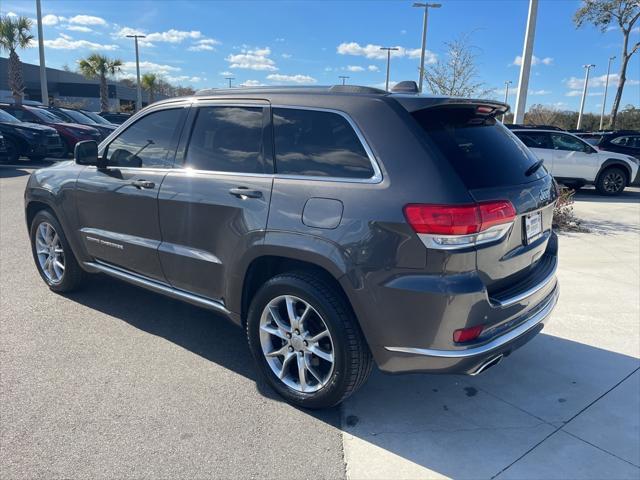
[337, 225]
[574, 162]
[71, 133]
[29, 139]
[115, 117]
[97, 118]
[76, 116]
[619, 141]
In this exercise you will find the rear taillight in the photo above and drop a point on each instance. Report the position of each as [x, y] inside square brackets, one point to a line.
[460, 226]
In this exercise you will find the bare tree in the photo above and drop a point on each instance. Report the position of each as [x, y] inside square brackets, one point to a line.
[457, 73]
[602, 14]
[542, 115]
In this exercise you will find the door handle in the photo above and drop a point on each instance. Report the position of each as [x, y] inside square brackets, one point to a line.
[143, 184]
[244, 193]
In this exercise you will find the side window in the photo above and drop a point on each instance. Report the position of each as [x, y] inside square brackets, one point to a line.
[148, 143]
[632, 141]
[567, 142]
[18, 113]
[227, 139]
[535, 139]
[317, 143]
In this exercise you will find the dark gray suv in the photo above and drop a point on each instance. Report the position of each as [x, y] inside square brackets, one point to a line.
[338, 225]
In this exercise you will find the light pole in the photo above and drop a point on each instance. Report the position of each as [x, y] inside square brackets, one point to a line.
[606, 87]
[139, 90]
[44, 91]
[426, 7]
[506, 94]
[525, 68]
[229, 79]
[584, 93]
[343, 78]
[388, 49]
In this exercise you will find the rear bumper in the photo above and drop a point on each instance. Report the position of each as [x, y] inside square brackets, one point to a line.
[473, 359]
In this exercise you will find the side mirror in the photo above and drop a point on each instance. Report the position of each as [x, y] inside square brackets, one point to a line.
[86, 152]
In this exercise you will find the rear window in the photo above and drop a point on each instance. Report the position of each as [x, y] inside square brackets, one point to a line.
[481, 150]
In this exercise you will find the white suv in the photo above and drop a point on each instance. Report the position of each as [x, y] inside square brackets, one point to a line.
[575, 163]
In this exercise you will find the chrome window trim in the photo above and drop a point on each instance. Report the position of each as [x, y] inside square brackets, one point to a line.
[377, 172]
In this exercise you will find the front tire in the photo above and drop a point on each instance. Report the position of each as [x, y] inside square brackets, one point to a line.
[611, 181]
[306, 341]
[52, 254]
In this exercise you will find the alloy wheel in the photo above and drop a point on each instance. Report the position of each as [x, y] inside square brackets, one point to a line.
[613, 182]
[296, 343]
[50, 252]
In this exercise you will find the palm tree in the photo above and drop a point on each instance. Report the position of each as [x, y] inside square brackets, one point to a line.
[99, 66]
[150, 82]
[15, 33]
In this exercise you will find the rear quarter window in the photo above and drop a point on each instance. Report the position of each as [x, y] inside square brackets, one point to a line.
[318, 144]
[481, 150]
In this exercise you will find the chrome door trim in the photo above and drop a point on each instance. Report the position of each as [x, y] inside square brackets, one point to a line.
[157, 287]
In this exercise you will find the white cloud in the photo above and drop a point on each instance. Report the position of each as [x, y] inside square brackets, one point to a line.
[534, 61]
[79, 28]
[540, 92]
[206, 44]
[152, 67]
[286, 55]
[183, 79]
[374, 52]
[403, 32]
[328, 69]
[226, 74]
[373, 68]
[173, 36]
[12, 14]
[256, 59]
[599, 81]
[65, 42]
[355, 68]
[252, 83]
[279, 40]
[573, 93]
[87, 20]
[50, 20]
[301, 79]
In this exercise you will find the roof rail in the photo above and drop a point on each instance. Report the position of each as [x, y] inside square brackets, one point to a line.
[356, 89]
[518, 126]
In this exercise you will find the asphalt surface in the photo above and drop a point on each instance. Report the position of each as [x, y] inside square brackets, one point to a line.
[118, 382]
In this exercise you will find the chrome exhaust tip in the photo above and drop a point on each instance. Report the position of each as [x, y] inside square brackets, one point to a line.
[492, 362]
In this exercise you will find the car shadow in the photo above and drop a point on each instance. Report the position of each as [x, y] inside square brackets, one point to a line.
[629, 195]
[10, 171]
[429, 420]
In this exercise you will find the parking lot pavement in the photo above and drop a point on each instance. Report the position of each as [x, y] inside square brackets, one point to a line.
[567, 405]
[116, 382]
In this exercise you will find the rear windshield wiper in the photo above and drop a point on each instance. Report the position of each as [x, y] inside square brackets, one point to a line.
[533, 168]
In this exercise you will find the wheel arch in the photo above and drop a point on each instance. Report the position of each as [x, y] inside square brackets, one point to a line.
[615, 162]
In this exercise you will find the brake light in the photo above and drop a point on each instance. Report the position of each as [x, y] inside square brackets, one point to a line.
[467, 334]
[459, 226]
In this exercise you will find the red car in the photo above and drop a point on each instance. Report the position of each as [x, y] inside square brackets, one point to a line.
[71, 133]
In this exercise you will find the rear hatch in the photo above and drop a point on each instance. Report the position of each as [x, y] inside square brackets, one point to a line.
[495, 165]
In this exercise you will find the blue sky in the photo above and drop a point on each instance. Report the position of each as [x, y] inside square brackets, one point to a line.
[199, 43]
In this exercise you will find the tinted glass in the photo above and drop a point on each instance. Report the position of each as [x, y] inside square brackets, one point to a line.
[481, 150]
[568, 143]
[535, 139]
[96, 118]
[45, 115]
[78, 117]
[227, 139]
[146, 143]
[632, 141]
[321, 144]
[6, 117]
[21, 114]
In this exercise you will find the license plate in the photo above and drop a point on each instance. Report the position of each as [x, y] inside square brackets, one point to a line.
[533, 226]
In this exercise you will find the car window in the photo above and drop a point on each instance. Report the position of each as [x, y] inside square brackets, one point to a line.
[78, 117]
[7, 117]
[44, 115]
[568, 143]
[21, 114]
[535, 139]
[318, 143]
[632, 141]
[483, 152]
[227, 139]
[149, 142]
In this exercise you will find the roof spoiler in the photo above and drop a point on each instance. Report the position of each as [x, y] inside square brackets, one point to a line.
[489, 108]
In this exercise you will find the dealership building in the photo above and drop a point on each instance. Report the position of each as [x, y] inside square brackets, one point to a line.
[69, 88]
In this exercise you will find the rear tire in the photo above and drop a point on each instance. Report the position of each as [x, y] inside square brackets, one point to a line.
[52, 254]
[13, 154]
[612, 181]
[284, 347]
